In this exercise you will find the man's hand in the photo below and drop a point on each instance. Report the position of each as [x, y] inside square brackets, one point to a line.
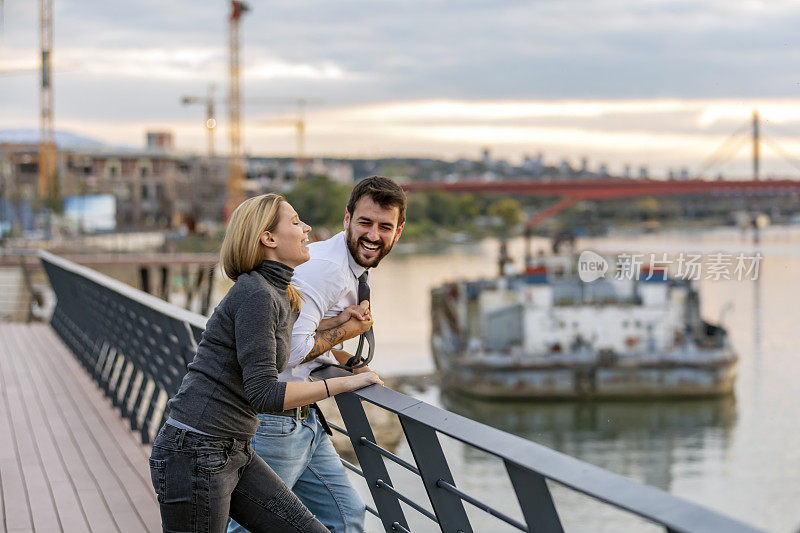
[361, 312]
[360, 318]
[327, 338]
[359, 326]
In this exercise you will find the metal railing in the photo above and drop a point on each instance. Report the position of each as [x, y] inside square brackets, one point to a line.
[135, 346]
[132, 343]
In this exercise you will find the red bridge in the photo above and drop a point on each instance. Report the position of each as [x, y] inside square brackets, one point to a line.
[575, 190]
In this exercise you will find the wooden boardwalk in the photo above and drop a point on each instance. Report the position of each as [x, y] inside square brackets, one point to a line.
[68, 461]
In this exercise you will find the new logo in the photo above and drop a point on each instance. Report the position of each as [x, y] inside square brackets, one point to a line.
[591, 266]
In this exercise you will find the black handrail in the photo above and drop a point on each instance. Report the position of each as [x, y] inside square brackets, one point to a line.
[137, 347]
[482, 506]
[528, 465]
[389, 455]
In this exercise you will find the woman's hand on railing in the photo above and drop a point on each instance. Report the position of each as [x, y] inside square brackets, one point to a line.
[364, 379]
[354, 382]
[298, 394]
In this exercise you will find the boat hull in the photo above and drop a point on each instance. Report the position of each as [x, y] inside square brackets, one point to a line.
[660, 378]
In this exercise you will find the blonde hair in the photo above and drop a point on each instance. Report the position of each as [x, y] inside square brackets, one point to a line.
[242, 250]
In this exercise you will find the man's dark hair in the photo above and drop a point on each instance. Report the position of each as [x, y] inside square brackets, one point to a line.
[383, 191]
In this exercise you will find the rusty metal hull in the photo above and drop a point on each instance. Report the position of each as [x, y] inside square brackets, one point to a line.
[651, 378]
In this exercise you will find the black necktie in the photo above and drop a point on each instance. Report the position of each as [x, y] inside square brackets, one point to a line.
[363, 287]
[369, 336]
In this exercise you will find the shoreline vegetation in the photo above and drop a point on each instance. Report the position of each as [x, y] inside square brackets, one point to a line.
[438, 222]
[436, 219]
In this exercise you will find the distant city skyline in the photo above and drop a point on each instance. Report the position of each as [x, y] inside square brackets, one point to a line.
[660, 84]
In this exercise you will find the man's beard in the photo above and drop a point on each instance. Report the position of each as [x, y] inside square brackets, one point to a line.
[353, 246]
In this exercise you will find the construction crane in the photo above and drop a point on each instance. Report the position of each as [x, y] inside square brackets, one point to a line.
[235, 165]
[47, 145]
[299, 123]
[756, 143]
[300, 129]
[211, 121]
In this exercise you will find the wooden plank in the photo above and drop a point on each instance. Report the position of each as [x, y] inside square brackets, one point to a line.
[63, 489]
[129, 467]
[93, 505]
[2, 498]
[101, 499]
[21, 404]
[15, 492]
[71, 448]
[118, 427]
[15, 499]
[123, 444]
[7, 454]
[117, 462]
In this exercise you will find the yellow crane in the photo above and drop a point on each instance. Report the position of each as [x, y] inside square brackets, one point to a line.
[235, 165]
[300, 131]
[299, 123]
[211, 120]
[47, 145]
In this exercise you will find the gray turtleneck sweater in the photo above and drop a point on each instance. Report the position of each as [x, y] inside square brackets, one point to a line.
[234, 374]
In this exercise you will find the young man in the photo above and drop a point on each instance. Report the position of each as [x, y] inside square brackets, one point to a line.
[294, 443]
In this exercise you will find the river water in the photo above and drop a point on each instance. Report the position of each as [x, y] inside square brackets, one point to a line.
[738, 455]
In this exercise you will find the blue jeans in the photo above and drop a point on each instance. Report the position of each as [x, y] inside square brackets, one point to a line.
[301, 453]
[201, 480]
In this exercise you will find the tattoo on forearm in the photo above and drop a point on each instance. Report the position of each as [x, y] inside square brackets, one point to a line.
[323, 341]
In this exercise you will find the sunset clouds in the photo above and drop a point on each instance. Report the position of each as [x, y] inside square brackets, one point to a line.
[656, 82]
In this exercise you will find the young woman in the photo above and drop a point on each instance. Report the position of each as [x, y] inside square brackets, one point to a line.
[202, 467]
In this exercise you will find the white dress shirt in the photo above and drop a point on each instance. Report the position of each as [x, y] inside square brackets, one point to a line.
[329, 284]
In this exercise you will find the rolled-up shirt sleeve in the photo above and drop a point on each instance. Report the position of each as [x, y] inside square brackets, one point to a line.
[319, 282]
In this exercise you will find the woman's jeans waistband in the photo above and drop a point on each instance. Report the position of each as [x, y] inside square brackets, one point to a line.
[175, 438]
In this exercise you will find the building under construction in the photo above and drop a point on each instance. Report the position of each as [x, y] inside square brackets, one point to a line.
[154, 187]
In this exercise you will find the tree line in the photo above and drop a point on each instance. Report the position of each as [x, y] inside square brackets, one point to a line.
[430, 215]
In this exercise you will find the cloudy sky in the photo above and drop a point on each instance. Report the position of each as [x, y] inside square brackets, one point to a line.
[654, 82]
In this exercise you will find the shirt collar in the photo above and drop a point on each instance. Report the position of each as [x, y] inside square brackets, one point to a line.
[355, 268]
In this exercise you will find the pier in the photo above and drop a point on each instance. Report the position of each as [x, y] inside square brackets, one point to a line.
[83, 397]
[68, 461]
